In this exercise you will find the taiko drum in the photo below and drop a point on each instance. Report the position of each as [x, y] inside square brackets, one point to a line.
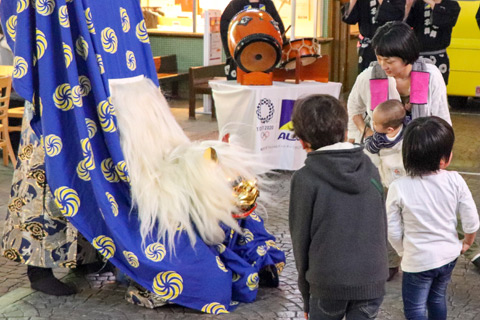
[254, 41]
[306, 48]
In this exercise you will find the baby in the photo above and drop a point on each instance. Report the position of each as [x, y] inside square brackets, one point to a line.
[388, 124]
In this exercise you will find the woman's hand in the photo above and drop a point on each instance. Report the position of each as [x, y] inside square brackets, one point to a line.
[306, 315]
[368, 132]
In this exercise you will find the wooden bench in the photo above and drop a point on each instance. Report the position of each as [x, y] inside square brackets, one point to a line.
[198, 84]
[167, 73]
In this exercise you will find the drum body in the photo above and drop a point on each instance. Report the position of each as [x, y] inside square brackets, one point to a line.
[306, 48]
[254, 41]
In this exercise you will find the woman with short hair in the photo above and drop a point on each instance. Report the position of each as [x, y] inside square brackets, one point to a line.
[398, 74]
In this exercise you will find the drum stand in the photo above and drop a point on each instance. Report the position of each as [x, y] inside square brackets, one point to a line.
[317, 71]
[254, 78]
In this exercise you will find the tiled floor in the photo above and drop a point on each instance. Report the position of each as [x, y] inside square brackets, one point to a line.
[279, 303]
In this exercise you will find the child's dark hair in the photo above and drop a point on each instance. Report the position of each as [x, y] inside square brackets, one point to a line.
[426, 141]
[320, 120]
[396, 39]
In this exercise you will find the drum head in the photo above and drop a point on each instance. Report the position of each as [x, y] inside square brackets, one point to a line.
[290, 65]
[258, 56]
[258, 52]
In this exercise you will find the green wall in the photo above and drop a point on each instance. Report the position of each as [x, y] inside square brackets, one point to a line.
[189, 50]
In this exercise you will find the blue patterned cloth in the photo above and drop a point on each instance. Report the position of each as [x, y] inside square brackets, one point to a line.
[65, 53]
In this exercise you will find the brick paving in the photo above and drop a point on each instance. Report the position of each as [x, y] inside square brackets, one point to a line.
[17, 301]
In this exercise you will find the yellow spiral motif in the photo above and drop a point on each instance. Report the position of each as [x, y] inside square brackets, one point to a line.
[69, 1]
[82, 171]
[247, 237]
[104, 245]
[67, 52]
[100, 64]
[280, 267]
[131, 258]
[77, 96]
[255, 217]
[41, 44]
[12, 27]
[91, 127]
[261, 250]
[109, 40]
[235, 277]
[53, 145]
[271, 243]
[155, 252]
[141, 32]
[81, 47]
[221, 265]
[123, 171]
[125, 20]
[67, 201]
[221, 248]
[113, 203]
[108, 170]
[131, 62]
[85, 85]
[214, 308]
[168, 285]
[22, 5]
[63, 17]
[20, 67]
[88, 153]
[45, 7]
[106, 115]
[252, 281]
[88, 17]
[63, 97]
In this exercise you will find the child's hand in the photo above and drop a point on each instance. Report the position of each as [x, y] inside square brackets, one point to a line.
[465, 247]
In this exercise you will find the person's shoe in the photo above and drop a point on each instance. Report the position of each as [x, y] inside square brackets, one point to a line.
[476, 262]
[268, 276]
[391, 273]
[43, 280]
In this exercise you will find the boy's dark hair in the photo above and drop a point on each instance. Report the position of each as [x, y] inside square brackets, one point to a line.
[426, 141]
[395, 111]
[320, 120]
[396, 39]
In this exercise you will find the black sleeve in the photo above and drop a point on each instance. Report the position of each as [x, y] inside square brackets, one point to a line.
[391, 10]
[478, 17]
[445, 13]
[354, 15]
[230, 11]
[411, 16]
[270, 8]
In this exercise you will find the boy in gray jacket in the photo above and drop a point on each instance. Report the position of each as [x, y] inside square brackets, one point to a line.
[337, 217]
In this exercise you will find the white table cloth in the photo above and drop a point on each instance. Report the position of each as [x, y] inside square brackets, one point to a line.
[258, 117]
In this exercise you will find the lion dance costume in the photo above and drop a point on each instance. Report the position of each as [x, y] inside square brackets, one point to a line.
[102, 154]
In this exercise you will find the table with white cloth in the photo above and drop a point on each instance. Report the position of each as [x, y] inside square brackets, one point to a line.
[259, 118]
